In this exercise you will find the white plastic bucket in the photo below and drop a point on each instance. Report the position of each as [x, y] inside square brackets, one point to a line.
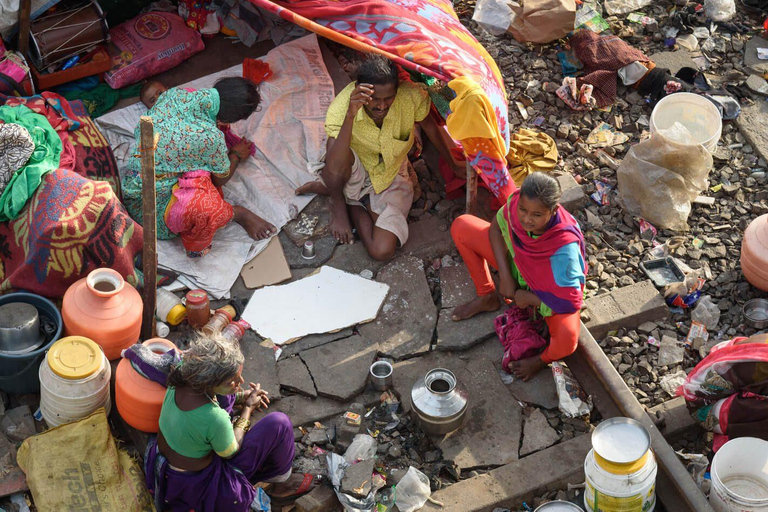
[619, 491]
[66, 400]
[740, 476]
[699, 116]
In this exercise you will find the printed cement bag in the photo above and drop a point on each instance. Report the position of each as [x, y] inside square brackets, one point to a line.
[542, 21]
[78, 467]
[148, 45]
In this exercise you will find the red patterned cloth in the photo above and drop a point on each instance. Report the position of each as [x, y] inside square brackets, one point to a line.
[72, 224]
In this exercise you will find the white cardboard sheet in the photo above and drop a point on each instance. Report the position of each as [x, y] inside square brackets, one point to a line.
[289, 135]
[325, 301]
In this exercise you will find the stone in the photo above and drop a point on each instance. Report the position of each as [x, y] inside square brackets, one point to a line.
[357, 479]
[314, 340]
[751, 123]
[454, 336]
[625, 307]
[573, 197]
[260, 365]
[537, 434]
[353, 258]
[456, 286]
[321, 499]
[340, 368]
[674, 61]
[427, 239]
[406, 323]
[294, 376]
[670, 352]
[750, 55]
[646, 327]
[316, 436]
[305, 411]
[757, 84]
[540, 390]
[323, 251]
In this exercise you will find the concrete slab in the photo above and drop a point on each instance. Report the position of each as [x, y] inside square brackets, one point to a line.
[626, 307]
[456, 286]
[294, 376]
[353, 258]
[490, 435]
[750, 54]
[456, 336]
[537, 434]
[314, 340]
[260, 365]
[297, 230]
[406, 322]
[751, 123]
[676, 420]
[305, 411]
[574, 197]
[673, 61]
[540, 390]
[429, 238]
[510, 485]
[340, 368]
[323, 251]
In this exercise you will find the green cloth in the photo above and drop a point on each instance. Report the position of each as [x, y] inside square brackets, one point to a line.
[102, 98]
[45, 158]
[544, 310]
[195, 433]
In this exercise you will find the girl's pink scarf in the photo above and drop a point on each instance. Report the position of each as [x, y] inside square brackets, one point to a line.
[532, 255]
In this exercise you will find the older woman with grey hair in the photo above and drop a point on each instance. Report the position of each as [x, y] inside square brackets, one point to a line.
[206, 459]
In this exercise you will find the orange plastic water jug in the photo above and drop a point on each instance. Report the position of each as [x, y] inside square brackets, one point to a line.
[103, 308]
[754, 253]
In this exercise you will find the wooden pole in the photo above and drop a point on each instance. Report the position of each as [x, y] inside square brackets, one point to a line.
[149, 215]
[471, 189]
[25, 11]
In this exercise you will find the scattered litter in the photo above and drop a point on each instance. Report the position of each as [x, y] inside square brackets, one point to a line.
[600, 196]
[647, 230]
[653, 342]
[697, 336]
[762, 53]
[573, 401]
[606, 135]
[706, 312]
[697, 243]
[588, 17]
[363, 447]
[685, 294]
[689, 42]
[352, 418]
[672, 381]
[413, 491]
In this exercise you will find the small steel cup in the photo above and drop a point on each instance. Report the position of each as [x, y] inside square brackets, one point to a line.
[381, 375]
[308, 252]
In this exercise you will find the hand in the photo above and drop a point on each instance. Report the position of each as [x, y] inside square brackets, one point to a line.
[256, 397]
[524, 298]
[360, 96]
[242, 149]
[508, 288]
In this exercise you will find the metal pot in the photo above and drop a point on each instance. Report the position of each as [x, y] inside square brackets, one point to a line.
[381, 375]
[19, 328]
[438, 402]
[755, 313]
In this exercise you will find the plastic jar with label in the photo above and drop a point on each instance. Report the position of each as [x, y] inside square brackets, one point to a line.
[236, 330]
[198, 308]
[220, 319]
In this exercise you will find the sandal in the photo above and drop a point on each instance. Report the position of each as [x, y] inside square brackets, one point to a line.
[304, 488]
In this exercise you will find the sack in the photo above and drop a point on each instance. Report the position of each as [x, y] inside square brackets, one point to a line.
[77, 466]
[720, 10]
[658, 179]
[15, 78]
[542, 21]
[148, 45]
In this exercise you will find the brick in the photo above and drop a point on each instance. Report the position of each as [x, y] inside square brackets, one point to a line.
[574, 197]
[626, 307]
[321, 499]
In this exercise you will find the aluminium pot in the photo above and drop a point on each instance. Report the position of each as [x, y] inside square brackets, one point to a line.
[439, 402]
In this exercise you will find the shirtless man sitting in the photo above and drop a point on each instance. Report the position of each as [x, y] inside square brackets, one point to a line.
[370, 127]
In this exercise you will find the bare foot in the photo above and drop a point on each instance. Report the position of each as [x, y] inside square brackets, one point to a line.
[256, 227]
[340, 225]
[296, 485]
[477, 305]
[313, 187]
[526, 368]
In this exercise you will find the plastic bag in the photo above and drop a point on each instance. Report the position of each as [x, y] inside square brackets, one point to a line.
[720, 10]
[613, 7]
[336, 468]
[493, 15]
[660, 177]
[573, 402]
[413, 491]
[706, 312]
[362, 447]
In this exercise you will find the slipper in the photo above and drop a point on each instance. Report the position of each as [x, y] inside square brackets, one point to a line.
[301, 490]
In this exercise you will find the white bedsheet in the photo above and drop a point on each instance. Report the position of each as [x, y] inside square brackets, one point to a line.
[290, 139]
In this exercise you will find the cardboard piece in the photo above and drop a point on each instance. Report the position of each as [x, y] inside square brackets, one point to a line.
[268, 267]
[325, 301]
[542, 21]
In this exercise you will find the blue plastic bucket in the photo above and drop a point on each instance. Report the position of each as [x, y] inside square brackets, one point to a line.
[18, 372]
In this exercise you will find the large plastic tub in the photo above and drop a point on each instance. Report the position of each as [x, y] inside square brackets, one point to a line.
[699, 116]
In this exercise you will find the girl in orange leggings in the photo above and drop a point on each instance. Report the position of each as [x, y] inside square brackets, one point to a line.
[542, 254]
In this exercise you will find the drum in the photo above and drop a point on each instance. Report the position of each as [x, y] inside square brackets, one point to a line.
[56, 37]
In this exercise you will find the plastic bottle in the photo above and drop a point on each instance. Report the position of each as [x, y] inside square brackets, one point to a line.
[198, 308]
[236, 330]
[220, 319]
[162, 330]
[169, 308]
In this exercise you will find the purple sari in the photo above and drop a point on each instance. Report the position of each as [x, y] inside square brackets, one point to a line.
[267, 451]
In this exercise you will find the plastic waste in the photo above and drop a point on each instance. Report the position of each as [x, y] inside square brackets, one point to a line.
[385, 501]
[336, 468]
[413, 491]
[720, 10]
[614, 7]
[706, 312]
[362, 447]
[573, 401]
[493, 15]
[660, 177]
